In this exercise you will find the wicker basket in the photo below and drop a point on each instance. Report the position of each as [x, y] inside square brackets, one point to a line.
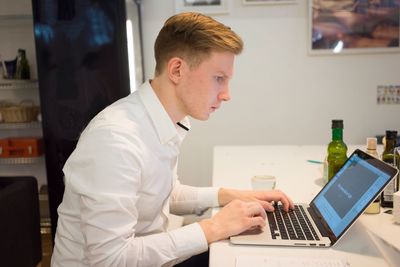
[19, 113]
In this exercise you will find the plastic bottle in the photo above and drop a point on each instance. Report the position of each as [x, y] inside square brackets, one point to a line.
[374, 207]
[337, 149]
[389, 157]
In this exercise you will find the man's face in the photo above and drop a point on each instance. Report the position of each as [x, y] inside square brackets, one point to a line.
[203, 88]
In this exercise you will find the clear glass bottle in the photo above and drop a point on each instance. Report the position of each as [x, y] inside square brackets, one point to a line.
[391, 158]
[337, 149]
[374, 207]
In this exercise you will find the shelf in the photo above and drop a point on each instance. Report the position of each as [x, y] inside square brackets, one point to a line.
[16, 19]
[17, 161]
[18, 84]
[20, 125]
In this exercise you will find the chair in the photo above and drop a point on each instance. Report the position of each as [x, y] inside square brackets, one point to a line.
[20, 239]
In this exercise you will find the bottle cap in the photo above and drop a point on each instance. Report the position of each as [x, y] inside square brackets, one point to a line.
[391, 134]
[337, 124]
[371, 143]
[21, 51]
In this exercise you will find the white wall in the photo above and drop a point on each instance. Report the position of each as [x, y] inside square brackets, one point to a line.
[280, 94]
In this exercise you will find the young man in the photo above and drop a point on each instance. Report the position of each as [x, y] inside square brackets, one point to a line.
[121, 182]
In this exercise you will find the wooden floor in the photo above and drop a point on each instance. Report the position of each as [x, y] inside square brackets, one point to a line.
[47, 247]
[45, 227]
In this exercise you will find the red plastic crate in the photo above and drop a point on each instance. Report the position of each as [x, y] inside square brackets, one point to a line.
[21, 147]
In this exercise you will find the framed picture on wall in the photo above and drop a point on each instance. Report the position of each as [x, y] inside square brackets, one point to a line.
[353, 26]
[202, 6]
[266, 2]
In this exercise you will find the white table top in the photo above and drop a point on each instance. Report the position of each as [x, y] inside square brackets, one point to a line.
[301, 180]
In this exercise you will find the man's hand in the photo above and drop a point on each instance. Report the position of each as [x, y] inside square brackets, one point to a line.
[243, 210]
[235, 218]
[265, 198]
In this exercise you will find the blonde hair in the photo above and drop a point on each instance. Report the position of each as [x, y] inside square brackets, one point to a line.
[193, 36]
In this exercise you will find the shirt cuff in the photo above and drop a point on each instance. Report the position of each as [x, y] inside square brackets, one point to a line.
[208, 196]
[189, 240]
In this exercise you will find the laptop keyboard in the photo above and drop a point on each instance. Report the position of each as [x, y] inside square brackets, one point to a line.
[294, 225]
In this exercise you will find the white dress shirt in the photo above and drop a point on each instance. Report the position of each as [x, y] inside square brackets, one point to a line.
[120, 183]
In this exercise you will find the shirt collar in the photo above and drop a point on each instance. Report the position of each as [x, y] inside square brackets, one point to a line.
[166, 129]
[182, 132]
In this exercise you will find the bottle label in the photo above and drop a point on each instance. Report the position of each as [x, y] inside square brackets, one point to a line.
[389, 190]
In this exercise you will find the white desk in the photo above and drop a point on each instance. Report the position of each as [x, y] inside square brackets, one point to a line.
[301, 180]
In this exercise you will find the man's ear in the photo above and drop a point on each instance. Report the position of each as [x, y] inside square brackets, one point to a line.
[175, 69]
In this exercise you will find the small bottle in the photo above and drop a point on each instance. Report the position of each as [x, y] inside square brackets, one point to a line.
[371, 147]
[337, 149]
[22, 69]
[391, 158]
[374, 207]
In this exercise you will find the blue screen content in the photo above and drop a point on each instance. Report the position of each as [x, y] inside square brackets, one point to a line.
[349, 192]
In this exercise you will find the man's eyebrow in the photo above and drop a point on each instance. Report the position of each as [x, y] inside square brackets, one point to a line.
[224, 74]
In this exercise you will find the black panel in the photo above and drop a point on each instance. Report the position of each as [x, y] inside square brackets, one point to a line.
[82, 67]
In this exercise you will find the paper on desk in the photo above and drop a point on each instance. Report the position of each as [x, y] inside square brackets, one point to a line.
[275, 261]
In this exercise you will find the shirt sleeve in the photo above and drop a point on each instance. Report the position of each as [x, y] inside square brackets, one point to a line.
[107, 183]
[189, 199]
[111, 241]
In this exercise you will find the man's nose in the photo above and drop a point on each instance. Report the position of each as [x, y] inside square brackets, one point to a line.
[225, 95]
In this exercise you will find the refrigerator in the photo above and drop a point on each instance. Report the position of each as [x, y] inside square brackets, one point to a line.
[84, 64]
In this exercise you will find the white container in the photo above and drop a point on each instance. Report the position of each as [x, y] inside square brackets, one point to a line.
[396, 207]
[263, 182]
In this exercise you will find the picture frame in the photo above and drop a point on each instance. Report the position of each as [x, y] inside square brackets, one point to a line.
[268, 2]
[202, 6]
[340, 27]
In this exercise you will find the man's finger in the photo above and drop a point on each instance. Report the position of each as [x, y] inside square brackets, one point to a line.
[256, 208]
[267, 206]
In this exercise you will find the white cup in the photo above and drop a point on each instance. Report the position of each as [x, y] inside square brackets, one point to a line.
[263, 182]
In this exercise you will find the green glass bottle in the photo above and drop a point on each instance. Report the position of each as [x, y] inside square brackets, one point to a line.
[375, 206]
[391, 158]
[22, 70]
[337, 149]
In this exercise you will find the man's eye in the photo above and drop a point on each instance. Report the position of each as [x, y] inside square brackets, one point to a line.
[219, 79]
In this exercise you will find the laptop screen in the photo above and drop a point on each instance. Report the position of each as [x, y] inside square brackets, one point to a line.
[354, 186]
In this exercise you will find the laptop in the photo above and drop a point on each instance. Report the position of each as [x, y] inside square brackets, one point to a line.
[330, 214]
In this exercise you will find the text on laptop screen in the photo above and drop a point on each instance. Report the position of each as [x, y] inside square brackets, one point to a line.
[349, 192]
